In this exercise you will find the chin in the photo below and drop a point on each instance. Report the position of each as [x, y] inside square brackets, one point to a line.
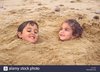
[33, 41]
[62, 39]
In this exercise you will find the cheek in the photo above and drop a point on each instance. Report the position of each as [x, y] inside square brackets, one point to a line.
[24, 33]
[36, 36]
[60, 32]
[68, 34]
[24, 36]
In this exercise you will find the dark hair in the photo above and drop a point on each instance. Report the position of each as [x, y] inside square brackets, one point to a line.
[77, 29]
[22, 26]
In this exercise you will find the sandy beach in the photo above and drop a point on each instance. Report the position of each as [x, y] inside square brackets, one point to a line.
[49, 14]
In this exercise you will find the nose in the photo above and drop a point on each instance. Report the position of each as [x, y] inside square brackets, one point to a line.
[61, 31]
[32, 33]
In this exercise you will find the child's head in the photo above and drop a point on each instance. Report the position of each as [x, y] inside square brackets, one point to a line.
[28, 31]
[70, 29]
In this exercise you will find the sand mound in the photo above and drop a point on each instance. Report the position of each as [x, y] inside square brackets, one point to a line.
[49, 15]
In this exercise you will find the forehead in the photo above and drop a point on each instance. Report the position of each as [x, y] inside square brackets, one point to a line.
[65, 25]
[31, 26]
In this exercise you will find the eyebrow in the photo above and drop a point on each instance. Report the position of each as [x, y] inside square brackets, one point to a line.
[64, 28]
[31, 28]
[34, 29]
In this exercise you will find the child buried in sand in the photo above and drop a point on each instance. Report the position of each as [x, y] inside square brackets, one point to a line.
[70, 29]
[28, 31]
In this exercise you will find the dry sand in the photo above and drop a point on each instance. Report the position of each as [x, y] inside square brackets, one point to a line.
[49, 50]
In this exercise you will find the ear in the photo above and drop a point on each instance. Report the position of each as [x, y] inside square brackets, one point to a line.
[19, 34]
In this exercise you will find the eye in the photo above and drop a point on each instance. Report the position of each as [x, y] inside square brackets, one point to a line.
[35, 31]
[28, 30]
[66, 29]
[60, 29]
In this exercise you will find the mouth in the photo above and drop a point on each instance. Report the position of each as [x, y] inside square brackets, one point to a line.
[61, 35]
[32, 37]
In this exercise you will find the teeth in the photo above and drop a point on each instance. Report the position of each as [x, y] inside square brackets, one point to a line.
[32, 37]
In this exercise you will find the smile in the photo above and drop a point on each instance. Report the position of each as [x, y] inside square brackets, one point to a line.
[32, 37]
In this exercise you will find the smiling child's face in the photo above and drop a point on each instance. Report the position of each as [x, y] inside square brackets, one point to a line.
[29, 33]
[66, 32]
